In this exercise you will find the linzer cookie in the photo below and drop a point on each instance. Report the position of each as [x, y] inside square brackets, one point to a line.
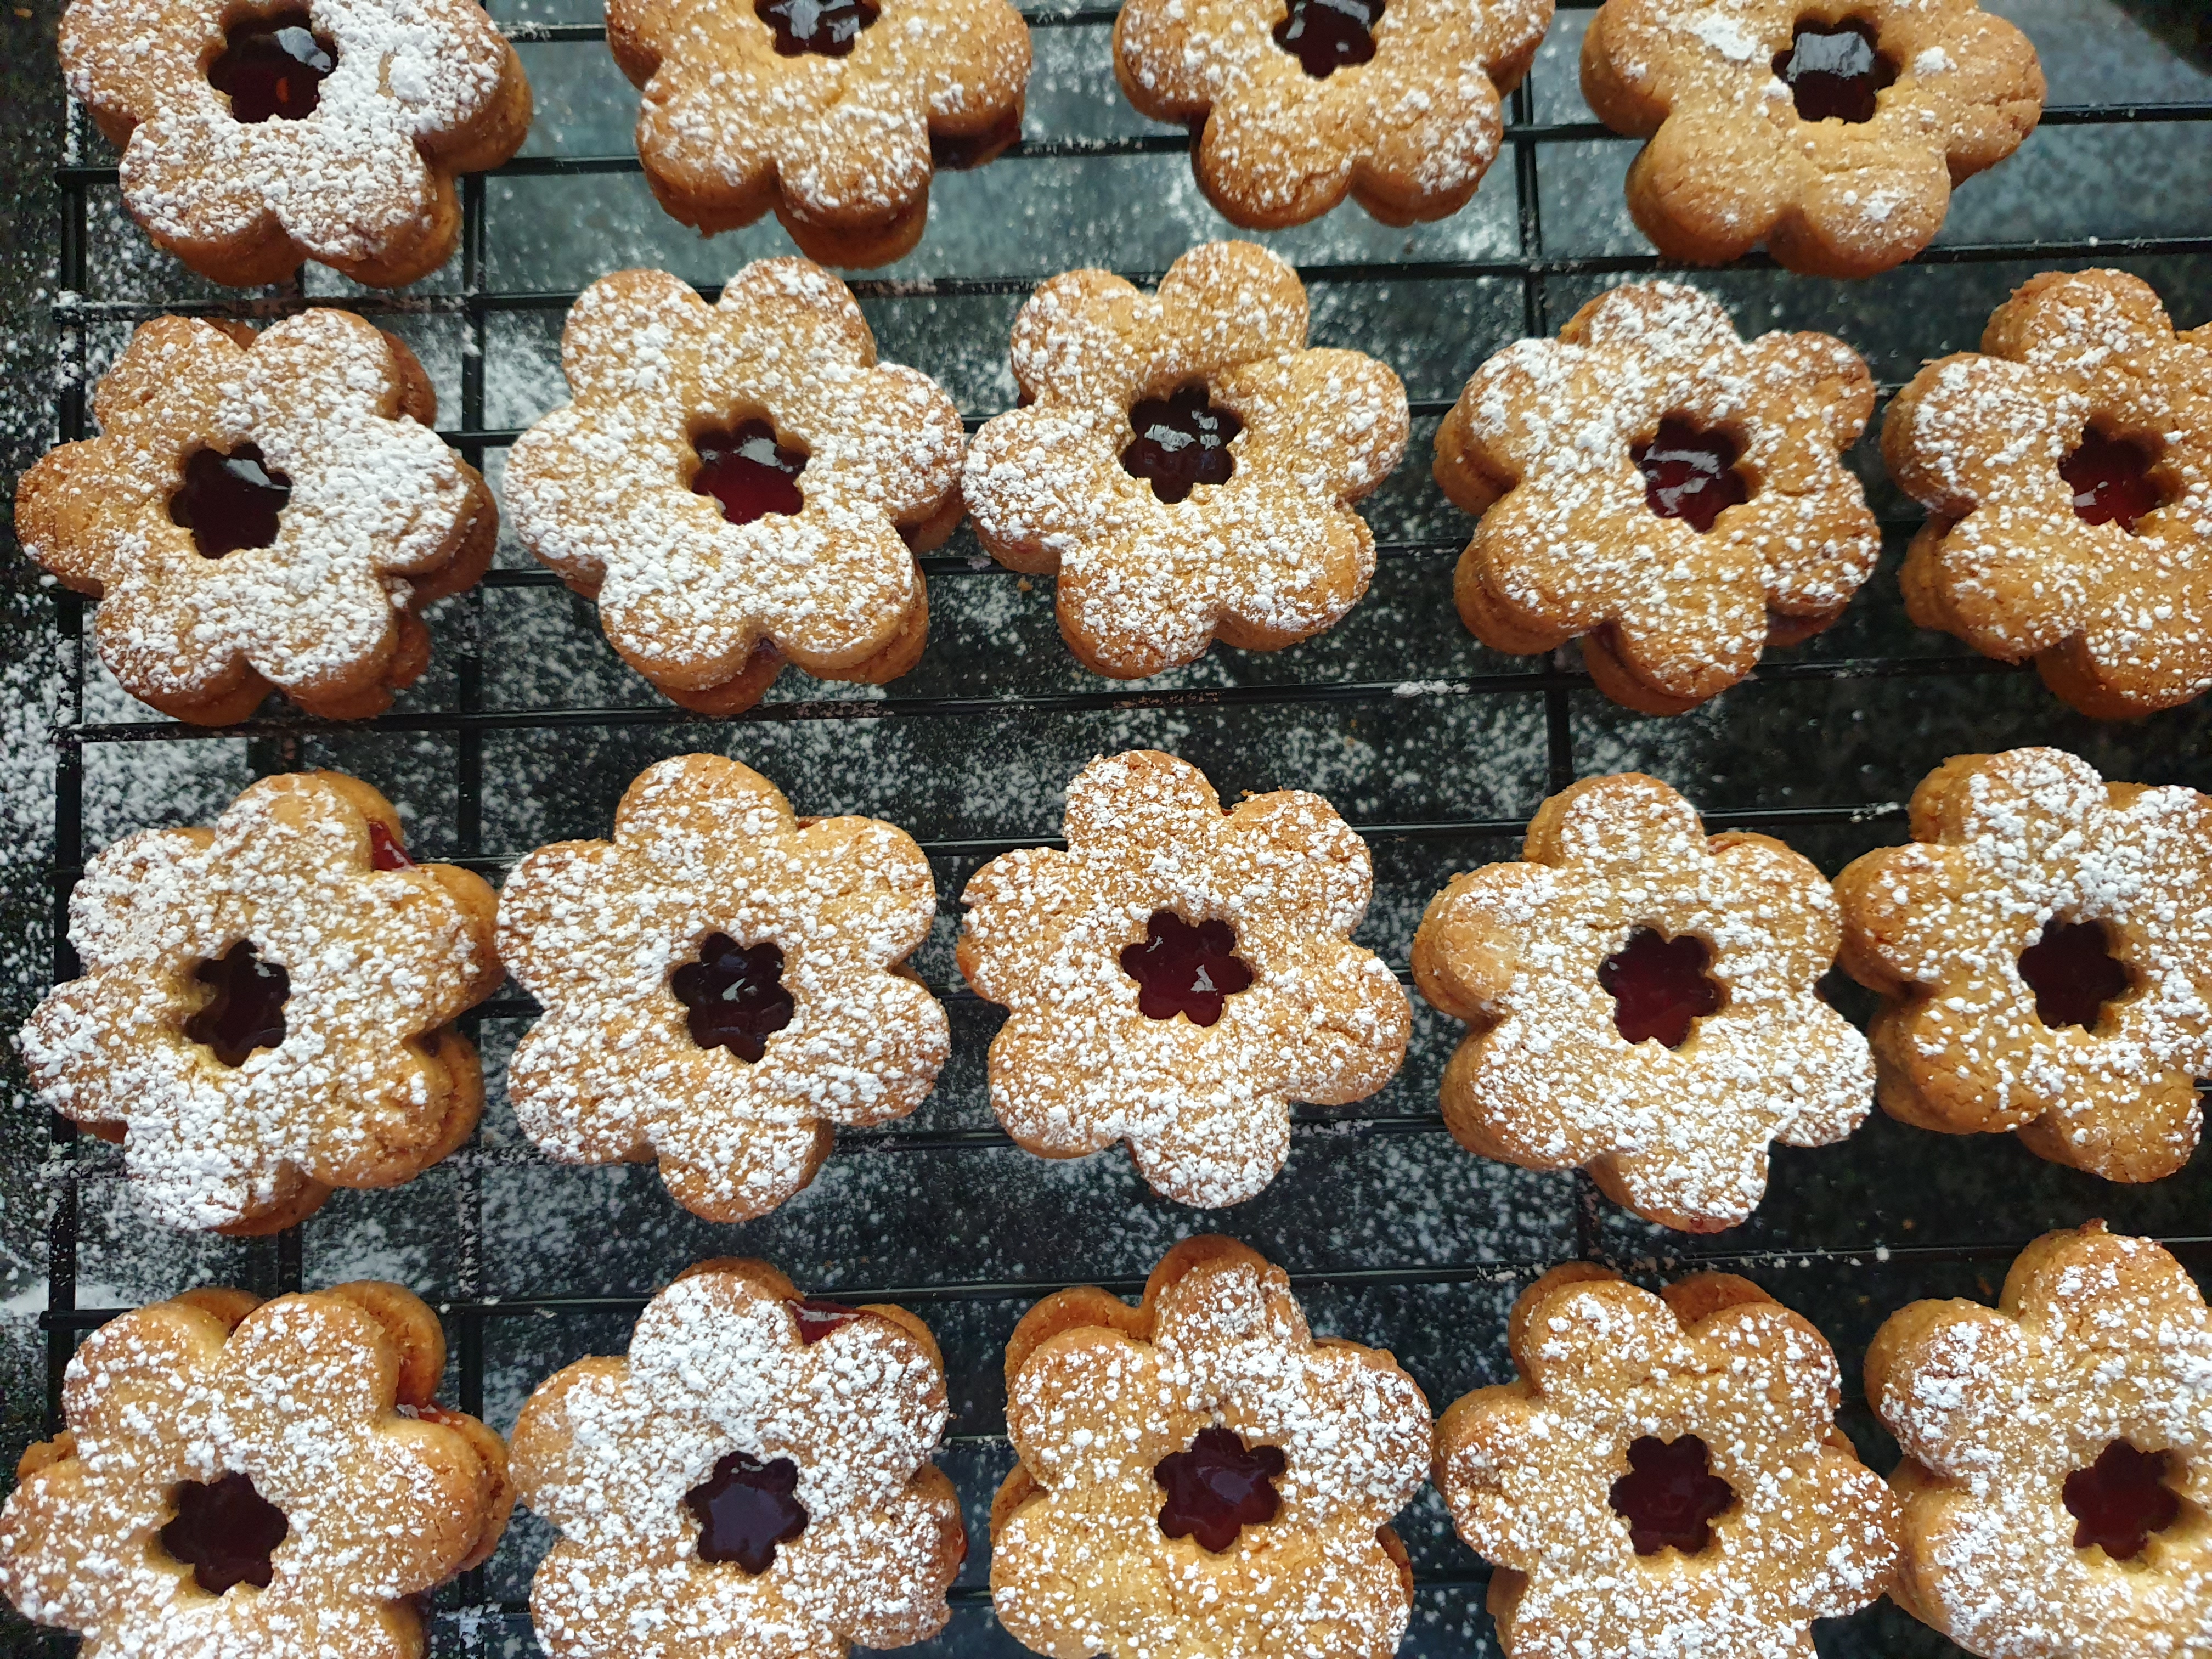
[2054, 1450]
[756, 498]
[1665, 1477]
[255, 138]
[259, 1480]
[1833, 134]
[1178, 975]
[267, 1006]
[2044, 952]
[753, 1479]
[2067, 469]
[1200, 1475]
[261, 509]
[1641, 1001]
[1185, 464]
[830, 112]
[1668, 493]
[723, 984]
[1295, 108]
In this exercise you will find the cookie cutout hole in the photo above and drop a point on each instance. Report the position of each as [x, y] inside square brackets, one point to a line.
[1218, 1488]
[829, 28]
[1182, 441]
[230, 501]
[1670, 1496]
[734, 995]
[818, 1317]
[745, 1509]
[385, 851]
[1690, 472]
[1835, 71]
[273, 68]
[1328, 35]
[225, 1532]
[2113, 481]
[247, 1009]
[2074, 973]
[2120, 1500]
[1659, 986]
[1184, 970]
[747, 471]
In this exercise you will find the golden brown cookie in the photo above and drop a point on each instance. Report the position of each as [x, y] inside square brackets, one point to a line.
[2045, 957]
[1200, 1475]
[1185, 462]
[1669, 494]
[2067, 469]
[261, 509]
[1833, 135]
[267, 1006]
[258, 1480]
[1665, 1476]
[756, 498]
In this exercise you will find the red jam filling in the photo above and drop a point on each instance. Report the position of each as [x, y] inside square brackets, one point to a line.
[750, 474]
[2074, 973]
[1690, 473]
[1182, 969]
[273, 67]
[1182, 441]
[826, 27]
[1659, 985]
[1834, 71]
[1669, 1495]
[2119, 1500]
[225, 1532]
[735, 994]
[818, 1317]
[247, 1010]
[2112, 481]
[1218, 1488]
[745, 1508]
[1325, 35]
[385, 851]
[955, 152]
[229, 501]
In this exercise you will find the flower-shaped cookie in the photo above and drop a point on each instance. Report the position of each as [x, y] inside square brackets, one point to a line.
[266, 1007]
[1178, 975]
[2043, 950]
[323, 129]
[1185, 462]
[1834, 135]
[2069, 469]
[1642, 1001]
[1300, 106]
[256, 1479]
[824, 110]
[752, 1482]
[1669, 493]
[2058, 1455]
[740, 484]
[1562, 1480]
[260, 509]
[721, 985]
[1202, 1476]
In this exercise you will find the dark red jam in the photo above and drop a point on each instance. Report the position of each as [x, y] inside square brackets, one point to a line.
[1182, 969]
[1834, 71]
[818, 1317]
[1669, 1495]
[247, 1010]
[225, 1532]
[273, 67]
[1690, 473]
[745, 1508]
[826, 27]
[385, 851]
[955, 152]
[2119, 1500]
[1659, 985]
[1325, 35]
[229, 501]
[2074, 973]
[2112, 481]
[750, 474]
[1182, 441]
[1218, 1488]
[736, 995]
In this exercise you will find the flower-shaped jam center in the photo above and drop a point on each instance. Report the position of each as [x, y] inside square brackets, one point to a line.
[818, 1317]
[2074, 973]
[2119, 1500]
[1182, 441]
[225, 1532]
[385, 851]
[827, 28]
[2112, 481]
[1660, 987]
[1325, 35]
[735, 994]
[247, 1009]
[273, 67]
[744, 469]
[1690, 472]
[744, 1509]
[1669, 1495]
[229, 500]
[1218, 1488]
[1833, 71]
[1185, 969]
